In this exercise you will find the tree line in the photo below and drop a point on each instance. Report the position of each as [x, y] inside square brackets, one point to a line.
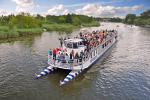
[143, 19]
[25, 20]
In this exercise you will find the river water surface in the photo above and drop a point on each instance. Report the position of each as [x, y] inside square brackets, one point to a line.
[122, 74]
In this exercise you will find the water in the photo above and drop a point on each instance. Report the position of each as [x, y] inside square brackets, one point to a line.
[122, 74]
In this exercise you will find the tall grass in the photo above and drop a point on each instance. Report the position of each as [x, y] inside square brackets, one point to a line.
[59, 27]
[30, 31]
[93, 23]
[6, 32]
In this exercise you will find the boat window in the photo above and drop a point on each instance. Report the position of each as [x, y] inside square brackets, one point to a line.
[103, 46]
[81, 43]
[69, 45]
[75, 45]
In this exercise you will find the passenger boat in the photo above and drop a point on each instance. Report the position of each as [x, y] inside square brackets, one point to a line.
[101, 40]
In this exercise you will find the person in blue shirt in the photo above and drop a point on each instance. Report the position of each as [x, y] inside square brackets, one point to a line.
[50, 52]
[49, 55]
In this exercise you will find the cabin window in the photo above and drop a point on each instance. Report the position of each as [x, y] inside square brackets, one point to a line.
[81, 43]
[69, 45]
[75, 46]
[103, 45]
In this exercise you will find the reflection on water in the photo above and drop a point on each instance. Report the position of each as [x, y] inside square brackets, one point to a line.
[123, 73]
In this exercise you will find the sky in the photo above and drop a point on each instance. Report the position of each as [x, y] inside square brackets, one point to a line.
[95, 8]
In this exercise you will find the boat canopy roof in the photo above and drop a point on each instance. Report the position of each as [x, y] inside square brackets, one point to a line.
[74, 43]
[73, 40]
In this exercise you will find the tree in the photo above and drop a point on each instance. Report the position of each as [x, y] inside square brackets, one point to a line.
[76, 20]
[25, 21]
[61, 19]
[145, 14]
[130, 18]
[68, 19]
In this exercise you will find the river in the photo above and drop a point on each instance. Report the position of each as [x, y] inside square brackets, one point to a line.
[122, 74]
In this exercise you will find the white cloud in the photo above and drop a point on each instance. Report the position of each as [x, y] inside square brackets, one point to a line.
[4, 12]
[106, 11]
[24, 5]
[58, 10]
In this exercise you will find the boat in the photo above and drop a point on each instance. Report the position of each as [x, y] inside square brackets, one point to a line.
[91, 45]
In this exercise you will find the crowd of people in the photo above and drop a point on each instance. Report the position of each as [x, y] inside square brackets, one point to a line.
[61, 55]
[90, 41]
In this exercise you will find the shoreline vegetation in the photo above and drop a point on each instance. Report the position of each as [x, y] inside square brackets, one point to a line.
[142, 20]
[24, 24]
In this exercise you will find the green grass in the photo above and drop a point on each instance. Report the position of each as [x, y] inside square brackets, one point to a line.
[5, 32]
[94, 23]
[59, 27]
[4, 28]
[30, 31]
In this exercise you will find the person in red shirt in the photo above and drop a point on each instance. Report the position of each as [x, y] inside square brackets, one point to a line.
[54, 53]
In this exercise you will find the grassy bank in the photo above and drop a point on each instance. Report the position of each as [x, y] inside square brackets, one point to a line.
[68, 27]
[59, 27]
[24, 24]
[5, 32]
[30, 31]
[94, 23]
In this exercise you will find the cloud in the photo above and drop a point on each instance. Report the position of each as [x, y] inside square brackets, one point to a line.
[24, 5]
[4, 12]
[58, 10]
[106, 11]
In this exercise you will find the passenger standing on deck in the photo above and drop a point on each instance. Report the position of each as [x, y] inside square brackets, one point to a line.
[67, 58]
[73, 55]
[61, 41]
[81, 36]
[76, 57]
[54, 54]
[50, 52]
[58, 56]
[82, 54]
[49, 55]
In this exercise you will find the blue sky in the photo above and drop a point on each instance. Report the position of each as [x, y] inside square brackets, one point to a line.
[96, 8]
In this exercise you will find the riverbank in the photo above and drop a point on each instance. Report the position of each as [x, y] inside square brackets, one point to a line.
[6, 32]
[145, 26]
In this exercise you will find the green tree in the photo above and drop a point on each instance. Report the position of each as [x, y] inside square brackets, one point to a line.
[145, 14]
[76, 21]
[61, 19]
[68, 18]
[130, 18]
[25, 21]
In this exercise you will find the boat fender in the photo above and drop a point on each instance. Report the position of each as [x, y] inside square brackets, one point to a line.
[38, 76]
[43, 73]
[46, 70]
